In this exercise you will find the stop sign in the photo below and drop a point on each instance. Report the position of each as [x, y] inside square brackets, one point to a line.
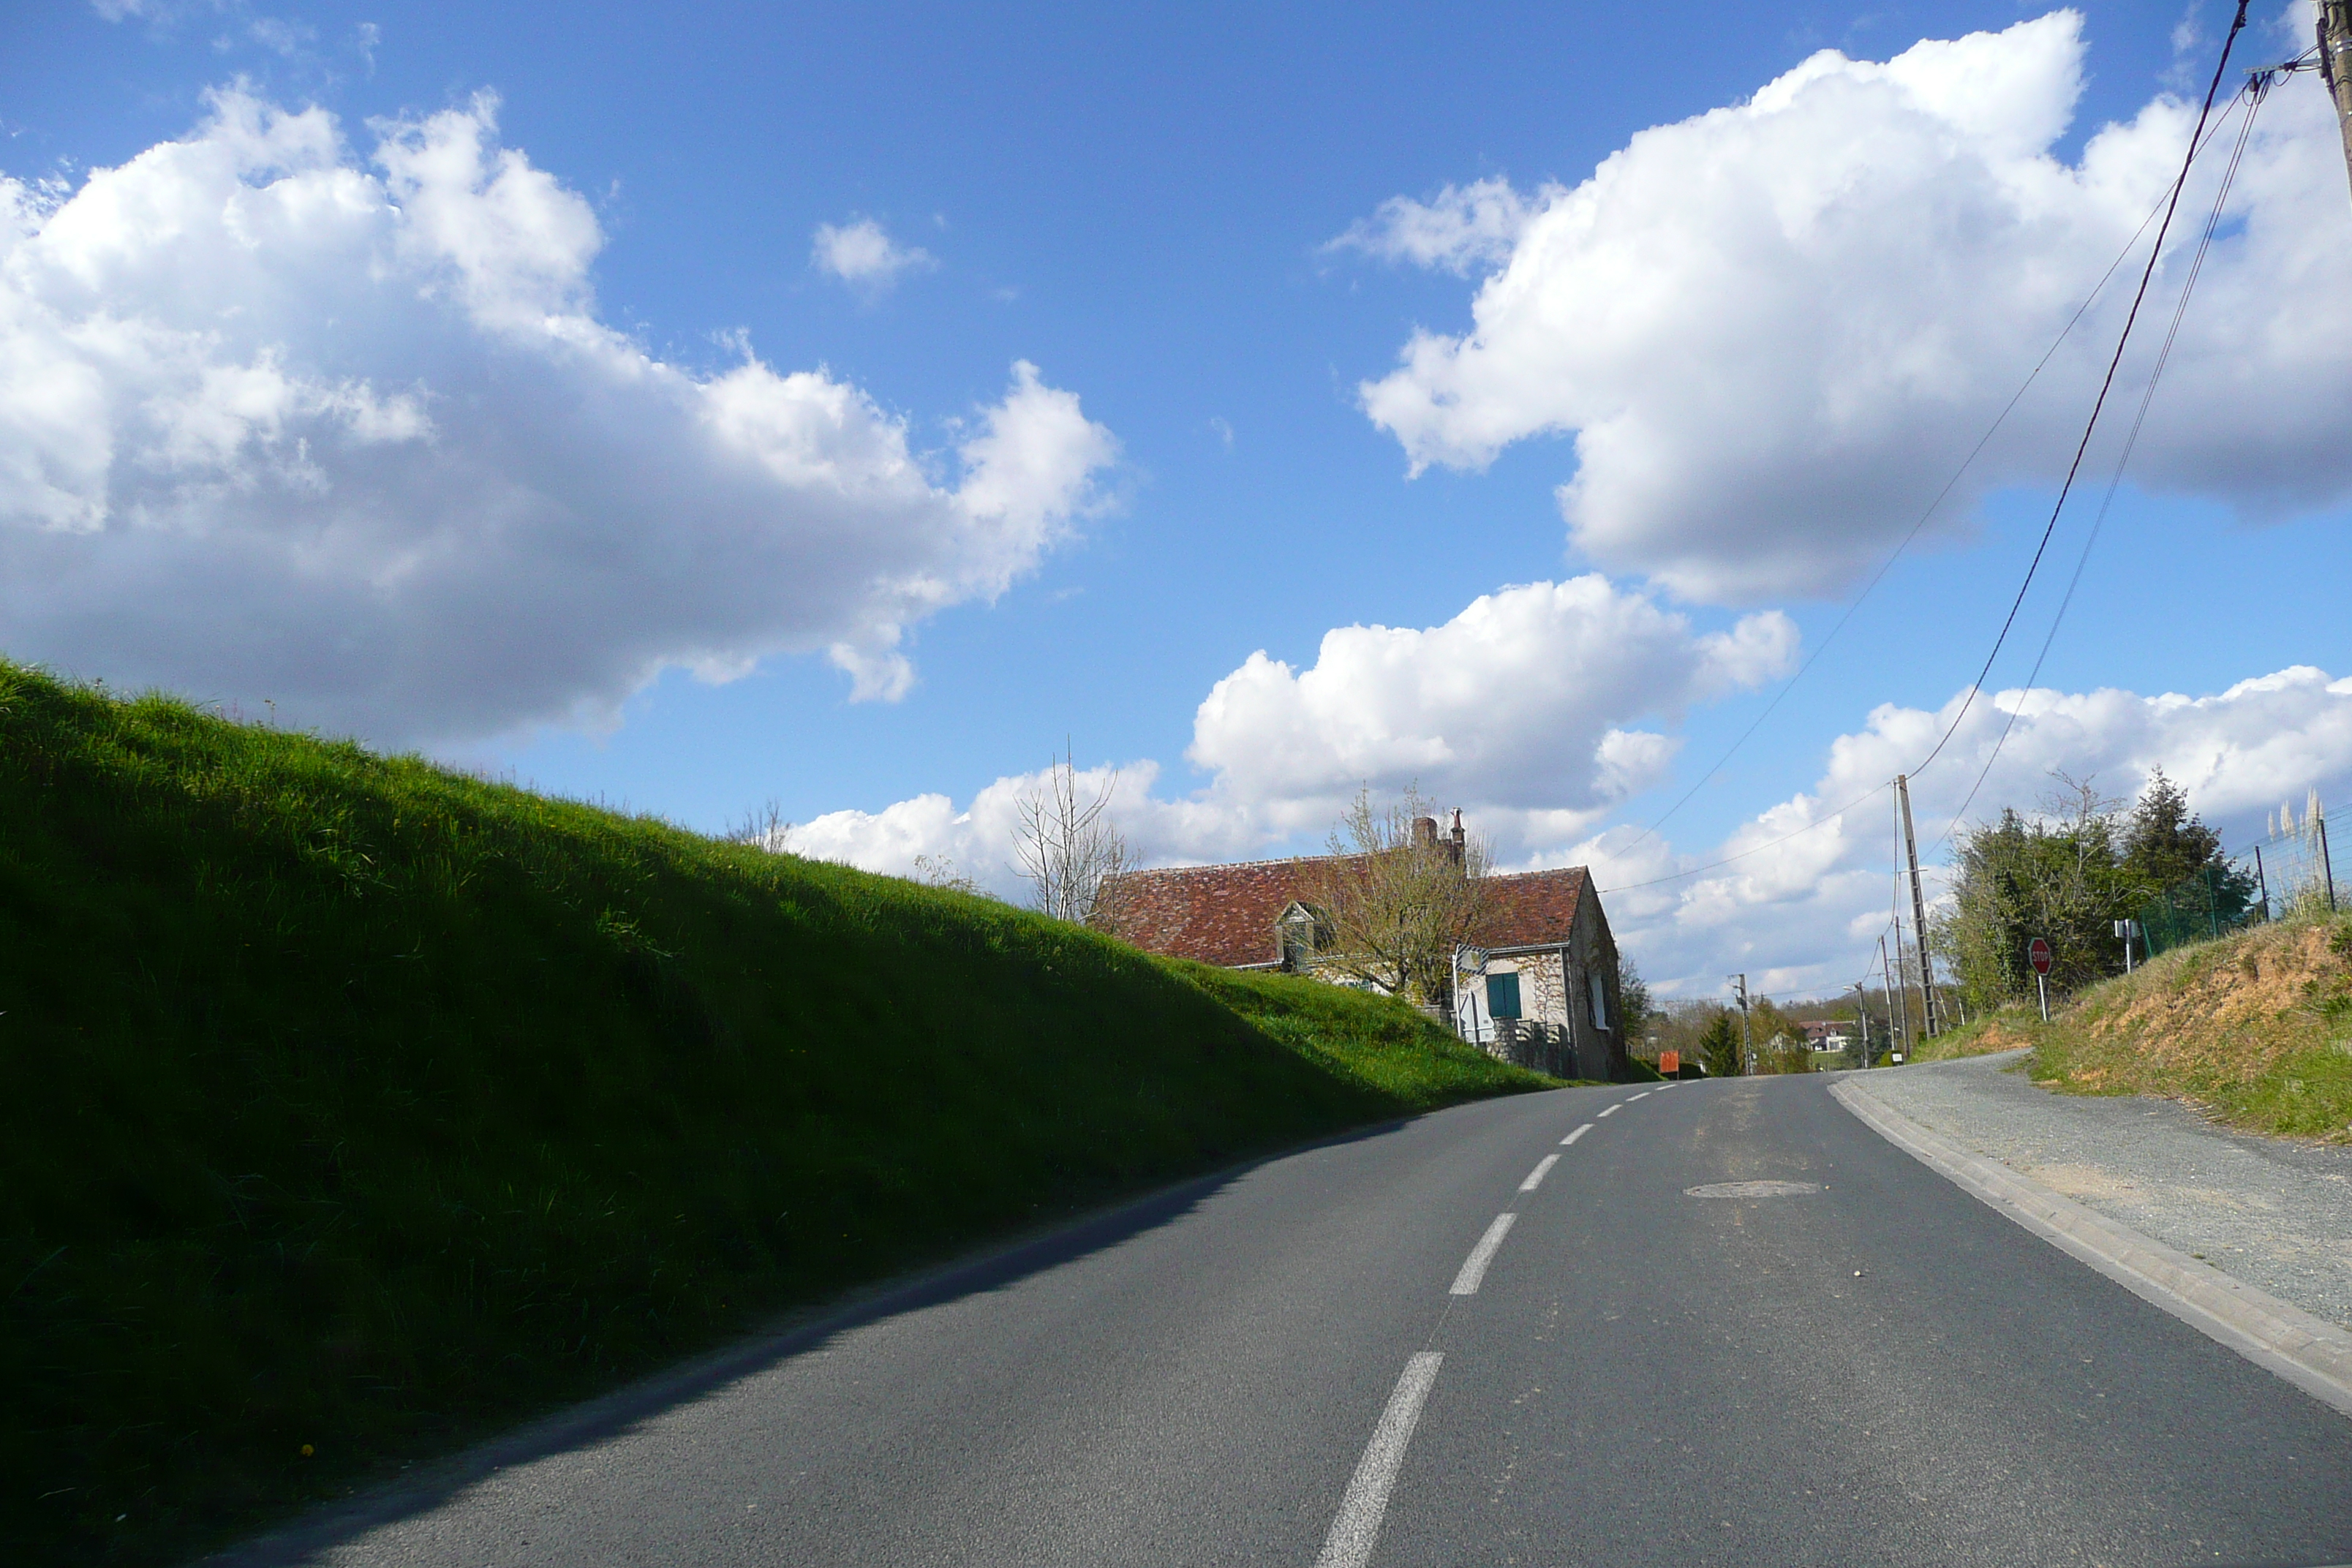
[2037, 953]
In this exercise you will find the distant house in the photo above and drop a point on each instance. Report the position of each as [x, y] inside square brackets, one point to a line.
[1548, 993]
[1825, 1034]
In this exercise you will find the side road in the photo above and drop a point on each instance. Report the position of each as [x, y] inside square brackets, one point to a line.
[2274, 1214]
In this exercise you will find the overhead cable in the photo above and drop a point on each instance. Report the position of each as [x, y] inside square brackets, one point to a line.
[2172, 203]
[2197, 143]
[2257, 89]
[1933, 507]
[1757, 848]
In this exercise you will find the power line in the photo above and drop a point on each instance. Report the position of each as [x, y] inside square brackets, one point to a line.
[2156, 251]
[2198, 141]
[1887, 565]
[2256, 91]
[1755, 849]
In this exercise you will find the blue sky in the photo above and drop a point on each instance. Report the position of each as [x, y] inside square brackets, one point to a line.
[1142, 203]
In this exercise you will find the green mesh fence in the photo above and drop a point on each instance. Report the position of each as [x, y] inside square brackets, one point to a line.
[2288, 873]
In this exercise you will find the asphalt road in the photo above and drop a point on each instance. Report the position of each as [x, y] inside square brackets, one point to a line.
[1288, 1369]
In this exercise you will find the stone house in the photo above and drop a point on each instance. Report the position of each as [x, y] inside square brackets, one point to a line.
[1546, 995]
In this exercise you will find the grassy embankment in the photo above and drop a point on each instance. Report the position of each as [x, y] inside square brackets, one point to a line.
[2256, 1028]
[350, 1108]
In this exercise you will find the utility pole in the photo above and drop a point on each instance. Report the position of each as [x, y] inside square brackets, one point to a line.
[2335, 65]
[1901, 1023]
[1746, 1051]
[1861, 1011]
[1919, 900]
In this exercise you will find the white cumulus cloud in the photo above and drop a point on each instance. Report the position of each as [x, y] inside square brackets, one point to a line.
[1461, 228]
[862, 252]
[1524, 709]
[275, 421]
[1776, 329]
[1520, 701]
[1808, 887]
[1798, 910]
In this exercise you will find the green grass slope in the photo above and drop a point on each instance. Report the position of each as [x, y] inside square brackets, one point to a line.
[349, 1107]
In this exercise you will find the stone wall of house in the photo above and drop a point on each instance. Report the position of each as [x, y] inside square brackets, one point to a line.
[1543, 986]
[1600, 1053]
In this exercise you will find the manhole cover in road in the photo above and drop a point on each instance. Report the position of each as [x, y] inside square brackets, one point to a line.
[1752, 1190]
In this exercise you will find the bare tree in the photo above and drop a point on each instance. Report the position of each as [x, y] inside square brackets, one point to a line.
[766, 828]
[1396, 897]
[1069, 848]
[940, 871]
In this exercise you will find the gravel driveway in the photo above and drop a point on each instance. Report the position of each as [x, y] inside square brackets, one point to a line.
[2277, 1214]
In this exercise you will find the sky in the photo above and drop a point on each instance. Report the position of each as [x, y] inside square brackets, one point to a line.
[840, 411]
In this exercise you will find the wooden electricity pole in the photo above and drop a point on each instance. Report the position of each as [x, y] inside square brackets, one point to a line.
[1919, 900]
[1899, 1023]
[2335, 65]
[1747, 1050]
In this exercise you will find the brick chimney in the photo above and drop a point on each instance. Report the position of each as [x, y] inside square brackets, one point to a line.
[1457, 841]
[1425, 832]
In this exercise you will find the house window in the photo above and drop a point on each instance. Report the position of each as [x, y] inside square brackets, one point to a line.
[1502, 996]
[1304, 932]
[1600, 998]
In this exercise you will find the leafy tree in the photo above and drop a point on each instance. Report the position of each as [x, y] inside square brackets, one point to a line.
[2164, 841]
[2066, 875]
[2057, 875]
[2179, 866]
[1718, 1046]
[1778, 1039]
[1633, 1001]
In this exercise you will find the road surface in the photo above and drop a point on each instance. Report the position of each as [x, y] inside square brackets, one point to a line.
[1348, 1356]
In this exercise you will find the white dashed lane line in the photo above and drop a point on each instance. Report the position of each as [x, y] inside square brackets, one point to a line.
[1366, 1504]
[1474, 1267]
[1349, 1544]
[1644, 1095]
[1611, 1110]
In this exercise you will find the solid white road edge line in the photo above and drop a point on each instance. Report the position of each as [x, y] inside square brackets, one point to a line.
[1474, 1267]
[1575, 1135]
[2310, 1352]
[1349, 1544]
[1535, 1176]
[1610, 1110]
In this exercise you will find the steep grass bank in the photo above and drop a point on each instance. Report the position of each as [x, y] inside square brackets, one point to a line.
[2255, 1028]
[349, 1107]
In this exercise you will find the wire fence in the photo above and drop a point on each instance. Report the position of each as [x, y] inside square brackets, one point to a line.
[2288, 873]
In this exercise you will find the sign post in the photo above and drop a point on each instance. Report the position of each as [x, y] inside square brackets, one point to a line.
[2128, 931]
[2037, 953]
[1470, 962]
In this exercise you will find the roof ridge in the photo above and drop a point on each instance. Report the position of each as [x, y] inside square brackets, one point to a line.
[1230, 865]
[1303, 860]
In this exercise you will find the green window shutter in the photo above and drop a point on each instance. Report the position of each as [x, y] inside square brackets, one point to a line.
[1502, 996]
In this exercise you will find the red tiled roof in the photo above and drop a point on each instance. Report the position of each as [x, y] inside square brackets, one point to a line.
[1227, 914]
[1525, 909]
[1217, 914]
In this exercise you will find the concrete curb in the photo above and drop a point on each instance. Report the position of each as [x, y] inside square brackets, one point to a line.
[2311, 1352]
